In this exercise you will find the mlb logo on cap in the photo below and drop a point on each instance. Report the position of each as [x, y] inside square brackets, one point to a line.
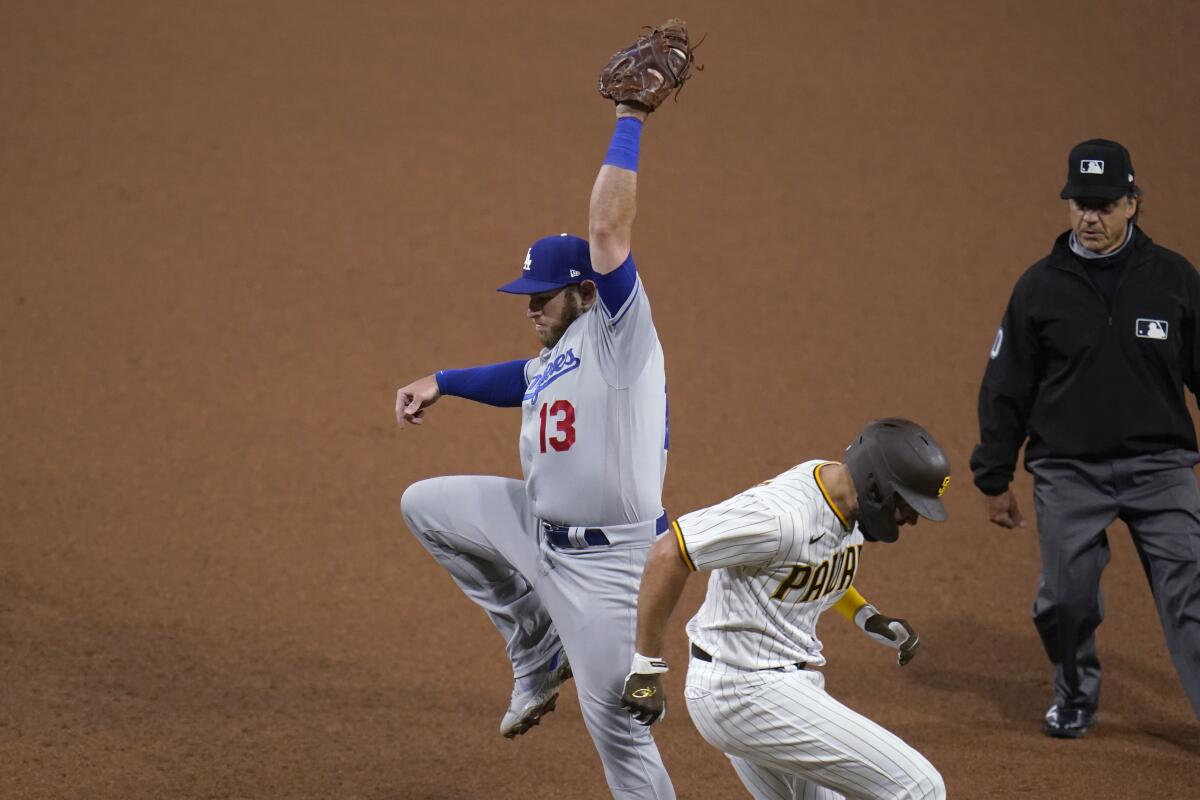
[552, 263]
[1098, 168]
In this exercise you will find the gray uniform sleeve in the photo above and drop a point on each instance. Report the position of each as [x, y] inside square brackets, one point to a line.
[623, 326]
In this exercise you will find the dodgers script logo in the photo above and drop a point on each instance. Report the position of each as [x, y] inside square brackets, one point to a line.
[553, 371]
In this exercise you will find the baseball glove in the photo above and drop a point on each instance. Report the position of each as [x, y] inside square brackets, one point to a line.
[656, 64]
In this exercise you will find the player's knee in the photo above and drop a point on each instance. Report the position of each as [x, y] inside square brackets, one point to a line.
[630, 758]
[416, 502]
[611, 728]
[932, 786]
[921, 781]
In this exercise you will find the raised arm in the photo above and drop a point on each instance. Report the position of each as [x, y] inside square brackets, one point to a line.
[614, 194]
[638, 78]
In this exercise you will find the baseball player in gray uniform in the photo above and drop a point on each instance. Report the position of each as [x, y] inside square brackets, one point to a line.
[555, 559]
[782, 553]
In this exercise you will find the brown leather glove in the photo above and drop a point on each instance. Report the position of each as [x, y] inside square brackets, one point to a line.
[656, 64]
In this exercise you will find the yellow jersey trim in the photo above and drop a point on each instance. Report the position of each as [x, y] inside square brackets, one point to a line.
[683, 553]
[825, 492]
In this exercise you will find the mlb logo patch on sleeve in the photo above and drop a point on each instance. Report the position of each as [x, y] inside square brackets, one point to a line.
[998, 342]
[1152, 328]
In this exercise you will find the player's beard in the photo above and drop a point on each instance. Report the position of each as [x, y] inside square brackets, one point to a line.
[572, 309]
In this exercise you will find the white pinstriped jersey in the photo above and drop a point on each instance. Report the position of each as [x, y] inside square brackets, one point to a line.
[594, 418]
[780, 555]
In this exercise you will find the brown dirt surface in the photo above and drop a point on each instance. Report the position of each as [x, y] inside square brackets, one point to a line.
[232, 230]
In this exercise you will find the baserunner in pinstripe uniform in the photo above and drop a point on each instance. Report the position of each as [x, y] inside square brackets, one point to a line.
[782, 553]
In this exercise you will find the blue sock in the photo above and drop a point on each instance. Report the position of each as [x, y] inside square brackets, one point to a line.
[623, 149]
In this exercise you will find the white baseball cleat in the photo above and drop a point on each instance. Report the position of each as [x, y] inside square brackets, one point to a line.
[534, 696]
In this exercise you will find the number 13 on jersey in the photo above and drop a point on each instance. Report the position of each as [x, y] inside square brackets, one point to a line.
[559, 417]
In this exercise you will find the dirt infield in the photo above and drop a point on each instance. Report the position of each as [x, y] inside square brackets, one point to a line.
[231, 230]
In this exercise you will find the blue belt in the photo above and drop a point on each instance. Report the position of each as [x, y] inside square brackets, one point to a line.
[559, 535]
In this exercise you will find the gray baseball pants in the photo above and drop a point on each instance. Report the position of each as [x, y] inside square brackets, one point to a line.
[1076, 501]
[481, 530]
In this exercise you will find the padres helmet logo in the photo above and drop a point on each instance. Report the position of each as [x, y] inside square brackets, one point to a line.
[644, 692]
[945, 483]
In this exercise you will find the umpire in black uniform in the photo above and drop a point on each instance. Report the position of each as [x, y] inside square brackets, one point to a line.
[1098, 341]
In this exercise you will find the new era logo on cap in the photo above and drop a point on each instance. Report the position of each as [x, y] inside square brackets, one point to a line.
[1091, 166]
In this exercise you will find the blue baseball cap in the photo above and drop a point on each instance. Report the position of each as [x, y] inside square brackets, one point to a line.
[552, 263]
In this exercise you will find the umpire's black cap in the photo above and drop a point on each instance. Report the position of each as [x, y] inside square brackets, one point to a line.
[1098, 168]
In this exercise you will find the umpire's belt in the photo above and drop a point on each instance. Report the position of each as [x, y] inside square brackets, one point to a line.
[704, 656]
[571, 537]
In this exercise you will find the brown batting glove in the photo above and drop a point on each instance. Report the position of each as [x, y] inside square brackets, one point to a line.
[895, 633]
[643, 695]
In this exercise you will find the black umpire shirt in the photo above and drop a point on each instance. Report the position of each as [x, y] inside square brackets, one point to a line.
[1087, 376]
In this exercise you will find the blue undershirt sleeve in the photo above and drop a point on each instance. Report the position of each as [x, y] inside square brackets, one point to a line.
[500, 385]
[615, 287]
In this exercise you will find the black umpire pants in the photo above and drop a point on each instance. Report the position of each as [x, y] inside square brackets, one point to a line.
[1076, 501]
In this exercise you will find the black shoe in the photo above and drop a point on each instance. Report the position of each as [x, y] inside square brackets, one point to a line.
[1068, 722]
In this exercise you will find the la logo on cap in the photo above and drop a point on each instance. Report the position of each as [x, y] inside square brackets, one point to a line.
[1091, 166]
[528, 260]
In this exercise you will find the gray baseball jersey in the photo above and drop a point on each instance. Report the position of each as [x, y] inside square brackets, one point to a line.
[781, 554]
[593, 450]
[594, 427]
